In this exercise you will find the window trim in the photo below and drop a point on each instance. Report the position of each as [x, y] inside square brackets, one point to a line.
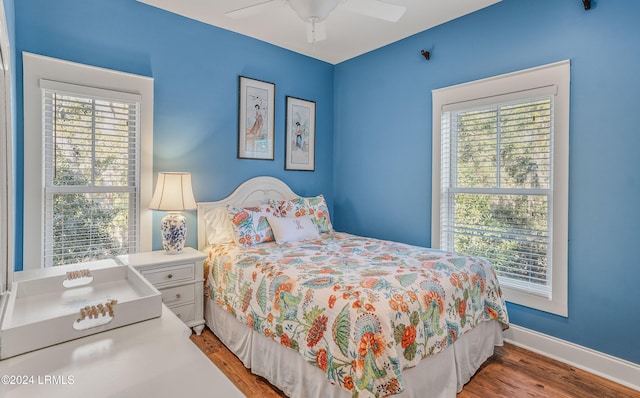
[484, 91]
[37, 68]
[6, 153]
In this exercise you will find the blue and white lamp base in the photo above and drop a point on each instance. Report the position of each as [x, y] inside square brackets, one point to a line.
[174, 232]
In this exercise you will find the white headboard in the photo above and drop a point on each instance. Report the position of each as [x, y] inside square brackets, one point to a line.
[255, 191]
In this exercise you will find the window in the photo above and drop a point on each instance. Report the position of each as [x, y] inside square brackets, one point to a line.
[86, 131]
[90, 162]
[500, 181]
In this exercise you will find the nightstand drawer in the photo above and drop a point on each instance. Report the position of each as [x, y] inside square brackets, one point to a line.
[178, 295]
[179, 279]
[170, 274]
[186, 313]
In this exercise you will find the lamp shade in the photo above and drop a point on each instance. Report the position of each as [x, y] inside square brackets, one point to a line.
[173, 193]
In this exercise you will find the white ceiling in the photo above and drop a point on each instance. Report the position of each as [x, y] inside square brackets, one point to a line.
[348, 34]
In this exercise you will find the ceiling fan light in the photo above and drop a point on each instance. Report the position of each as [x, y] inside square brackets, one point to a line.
[317, 10]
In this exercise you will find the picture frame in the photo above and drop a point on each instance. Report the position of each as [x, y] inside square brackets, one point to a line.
[256, 114]
[300, 133]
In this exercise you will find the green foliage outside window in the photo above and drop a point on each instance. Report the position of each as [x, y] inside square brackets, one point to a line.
[91, 144]
[506, 147]
[77, 217]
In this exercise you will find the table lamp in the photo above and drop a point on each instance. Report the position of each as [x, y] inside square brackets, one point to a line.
[173, 194]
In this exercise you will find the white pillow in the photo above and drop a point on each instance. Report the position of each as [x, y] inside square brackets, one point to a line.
[292, 229]
[218, 226]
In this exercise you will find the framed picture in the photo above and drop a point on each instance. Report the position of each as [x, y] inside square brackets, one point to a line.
[300, 144]
[256, 119]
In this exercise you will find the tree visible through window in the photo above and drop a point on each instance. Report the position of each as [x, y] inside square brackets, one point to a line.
[500, 179]
[90, 177]
[496, 200]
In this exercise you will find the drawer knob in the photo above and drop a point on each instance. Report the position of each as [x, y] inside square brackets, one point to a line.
[170, 276]
[178, 295]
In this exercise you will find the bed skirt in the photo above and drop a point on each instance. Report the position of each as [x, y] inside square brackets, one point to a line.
[441, 376]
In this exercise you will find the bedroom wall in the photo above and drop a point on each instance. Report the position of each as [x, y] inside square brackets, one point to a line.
[196, 69]
[382, 145]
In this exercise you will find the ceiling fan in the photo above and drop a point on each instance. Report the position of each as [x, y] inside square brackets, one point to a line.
[314, 12]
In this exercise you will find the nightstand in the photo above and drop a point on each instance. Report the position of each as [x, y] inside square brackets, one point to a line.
[178, 277]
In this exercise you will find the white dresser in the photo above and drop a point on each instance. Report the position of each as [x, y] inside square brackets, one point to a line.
[179, 277]
[154, 358]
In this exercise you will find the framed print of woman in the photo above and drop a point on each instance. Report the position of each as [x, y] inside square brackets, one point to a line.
[256, 114]
[300, 134]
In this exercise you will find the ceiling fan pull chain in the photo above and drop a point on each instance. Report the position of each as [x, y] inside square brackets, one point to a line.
[313, 31]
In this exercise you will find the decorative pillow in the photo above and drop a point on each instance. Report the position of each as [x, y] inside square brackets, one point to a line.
[218, 226]
[293, 229]
[250, 224]
[291, 208]
[315, 207]
[320, 213]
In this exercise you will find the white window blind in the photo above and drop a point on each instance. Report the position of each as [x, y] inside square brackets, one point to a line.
[500, 182]
[497, 187]
[91, 172]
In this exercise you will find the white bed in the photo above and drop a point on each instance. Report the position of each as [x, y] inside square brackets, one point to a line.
[441, 375]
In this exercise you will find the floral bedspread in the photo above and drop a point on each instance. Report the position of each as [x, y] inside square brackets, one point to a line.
[360, 309]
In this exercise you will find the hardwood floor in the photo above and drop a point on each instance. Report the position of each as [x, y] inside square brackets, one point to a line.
[250, 384]
[512, 372]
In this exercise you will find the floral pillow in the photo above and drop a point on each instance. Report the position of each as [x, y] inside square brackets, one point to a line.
[250, 225]
[291, 208]
[315, 207]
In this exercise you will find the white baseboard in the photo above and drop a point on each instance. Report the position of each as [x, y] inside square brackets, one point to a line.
[604, 365]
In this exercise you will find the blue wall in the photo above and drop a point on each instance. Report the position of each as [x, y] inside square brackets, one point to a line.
[373, 156]
[196, 69]
[382, 141]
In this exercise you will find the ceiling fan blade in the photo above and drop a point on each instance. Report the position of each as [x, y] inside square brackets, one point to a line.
[316, 31]
[376, 9]
[248, 11]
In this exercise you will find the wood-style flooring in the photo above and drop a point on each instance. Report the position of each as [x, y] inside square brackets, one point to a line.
[512, 372]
